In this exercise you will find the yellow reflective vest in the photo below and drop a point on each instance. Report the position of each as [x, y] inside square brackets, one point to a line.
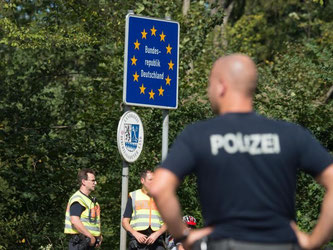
[90, 217]
[145, 213]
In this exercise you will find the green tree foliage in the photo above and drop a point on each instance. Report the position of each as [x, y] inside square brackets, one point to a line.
[61, 91]
[261, 27]
[294, 87]
[246, 35]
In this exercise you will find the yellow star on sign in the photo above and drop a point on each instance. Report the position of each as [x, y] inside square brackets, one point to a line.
[167, 80]
[160, 90]
[151, 94]
[136, 77]
[142, 89]
[168, 49]
[144, 34]
[171, 65]
[136, 44]
[153, 31]
[133, 59]
[162, 37]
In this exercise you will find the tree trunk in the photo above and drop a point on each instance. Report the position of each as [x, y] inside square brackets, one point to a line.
[220, 39]
[186, 7]
[227, 12]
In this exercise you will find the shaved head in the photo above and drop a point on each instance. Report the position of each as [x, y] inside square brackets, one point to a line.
[232, 75]
[240, 72]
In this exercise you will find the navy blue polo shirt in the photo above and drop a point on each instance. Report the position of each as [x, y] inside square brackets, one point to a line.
[246, 167]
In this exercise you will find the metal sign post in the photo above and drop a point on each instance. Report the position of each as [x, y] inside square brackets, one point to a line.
[124, 196]
[165, 133]
[165, 125]
[130, 138]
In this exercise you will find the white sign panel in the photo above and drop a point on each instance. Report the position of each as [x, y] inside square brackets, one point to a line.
[130, 136]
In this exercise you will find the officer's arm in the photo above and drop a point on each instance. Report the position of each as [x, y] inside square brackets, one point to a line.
[162, 230]
[75, 220]
[163, 190]
[323, 231]
[125, 222]
[127, 216]
[141, 238]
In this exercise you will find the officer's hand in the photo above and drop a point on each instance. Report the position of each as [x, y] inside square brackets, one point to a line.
[303, 238]
[152, 238]
[100, 241]
[141, 238]
[92, 241]
[196, 234]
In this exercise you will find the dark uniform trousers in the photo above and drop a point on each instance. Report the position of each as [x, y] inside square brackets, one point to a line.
[133, 244]
[79, 242]
[230, 244]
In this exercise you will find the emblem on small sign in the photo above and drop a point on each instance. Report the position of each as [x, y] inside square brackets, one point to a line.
[130, 136]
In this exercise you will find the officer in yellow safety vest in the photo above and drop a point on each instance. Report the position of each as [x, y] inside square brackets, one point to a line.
[82, 220]
[141, 218]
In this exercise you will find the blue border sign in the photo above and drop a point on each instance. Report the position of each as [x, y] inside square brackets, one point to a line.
[151, 62]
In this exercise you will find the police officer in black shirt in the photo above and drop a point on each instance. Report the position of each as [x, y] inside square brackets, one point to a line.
[82, 219]
[141, 218]
[246, 167]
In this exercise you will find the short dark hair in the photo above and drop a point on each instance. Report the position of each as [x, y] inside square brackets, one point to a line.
[83, 174]
[144, 173]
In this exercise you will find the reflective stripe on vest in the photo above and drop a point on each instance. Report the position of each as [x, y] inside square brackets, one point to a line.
[144, 213]
[90, 217]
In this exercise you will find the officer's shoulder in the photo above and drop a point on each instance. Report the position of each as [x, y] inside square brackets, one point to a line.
[198, 125]
[137, 190]
[284, 124]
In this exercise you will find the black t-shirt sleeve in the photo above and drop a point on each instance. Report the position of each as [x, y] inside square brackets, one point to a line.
[181, 157]
[129, 208]
[76, 209]
[314, 158]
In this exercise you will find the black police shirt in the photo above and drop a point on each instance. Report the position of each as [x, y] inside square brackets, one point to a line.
[246, 167]
[76, 208]
[129, 208]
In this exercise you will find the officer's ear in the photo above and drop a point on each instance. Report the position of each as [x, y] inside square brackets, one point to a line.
[221, 88]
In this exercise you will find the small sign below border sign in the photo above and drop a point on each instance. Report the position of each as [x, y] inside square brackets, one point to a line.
[130, 136]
